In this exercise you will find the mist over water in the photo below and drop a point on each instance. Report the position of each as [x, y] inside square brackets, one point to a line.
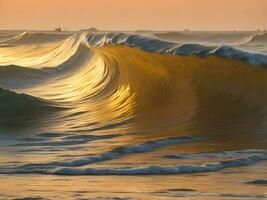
[128, 107]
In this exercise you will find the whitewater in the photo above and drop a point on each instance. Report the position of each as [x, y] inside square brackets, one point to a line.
[160, 115]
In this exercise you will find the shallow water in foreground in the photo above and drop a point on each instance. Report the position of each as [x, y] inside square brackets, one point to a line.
[119, 116]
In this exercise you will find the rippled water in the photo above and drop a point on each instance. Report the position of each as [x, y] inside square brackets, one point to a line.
[124, 116]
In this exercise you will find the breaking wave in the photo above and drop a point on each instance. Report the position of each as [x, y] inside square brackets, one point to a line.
[154, 45]
[86, 67]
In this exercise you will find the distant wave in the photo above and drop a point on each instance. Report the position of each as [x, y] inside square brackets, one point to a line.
[176, 36]
[258, 39]
[159, 46]
[34, 38]
[203, 37]
[148, 44]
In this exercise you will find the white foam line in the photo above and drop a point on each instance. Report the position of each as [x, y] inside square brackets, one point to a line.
[162, 170]
[144, 170]
[218, 155]
[113, 154]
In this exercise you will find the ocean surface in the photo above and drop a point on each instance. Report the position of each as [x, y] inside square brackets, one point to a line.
[133, 115]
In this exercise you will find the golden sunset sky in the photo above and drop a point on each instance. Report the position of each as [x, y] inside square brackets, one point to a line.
[134, 14]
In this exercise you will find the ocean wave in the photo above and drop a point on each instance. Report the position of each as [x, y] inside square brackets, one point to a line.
[17, 76]
[160, 170]
[254, 196]
[110, 155]
[27, 38]
[258, 39]
[258, 182]
[16, 108]
[119, 104]
[204, 37]
[218, 155]
[159, 46]
[94, 74]
[45, 140]
[97, 69]
[163, 170]
[144, 170]
[153, 44]
[234, 159]
[42, 56]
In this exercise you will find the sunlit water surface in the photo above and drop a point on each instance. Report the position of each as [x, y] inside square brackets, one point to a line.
[122, 116]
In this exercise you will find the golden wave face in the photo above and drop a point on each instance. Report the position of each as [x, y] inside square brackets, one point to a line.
[131, 90]
[192, 93]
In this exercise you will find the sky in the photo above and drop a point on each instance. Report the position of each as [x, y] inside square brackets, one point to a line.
[134, 14]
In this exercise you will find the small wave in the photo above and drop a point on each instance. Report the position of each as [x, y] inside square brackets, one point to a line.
[203, 37]
[226, 154]
[176, 36]
[63, 140]
[251, 157]
[30, 198]
[110, 155]
[13, 76]
[27, 38]
[213, 195]
[258, 39]
[5, 45]
[258, 182]
[254, 196]
[162, 170]
[9, 98]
